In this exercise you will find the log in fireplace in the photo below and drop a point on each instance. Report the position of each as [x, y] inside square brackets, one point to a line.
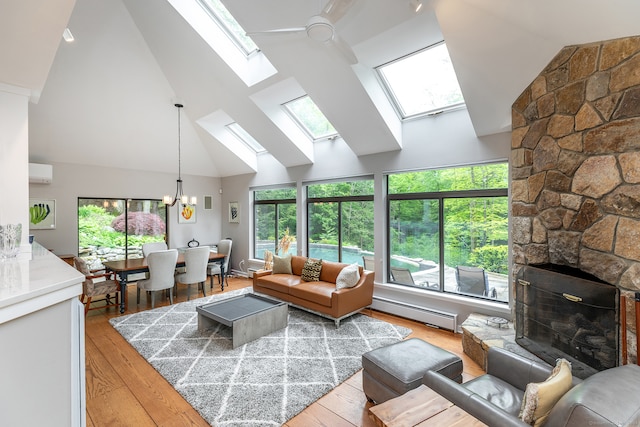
[564, 312]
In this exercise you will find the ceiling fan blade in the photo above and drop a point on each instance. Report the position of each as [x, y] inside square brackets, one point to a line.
[344, 49]
[278, 31]
[336, 9]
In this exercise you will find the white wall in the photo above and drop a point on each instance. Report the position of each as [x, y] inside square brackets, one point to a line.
[14, 152]
[73, 181]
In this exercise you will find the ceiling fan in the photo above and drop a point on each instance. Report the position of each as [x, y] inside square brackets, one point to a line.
[321, 28]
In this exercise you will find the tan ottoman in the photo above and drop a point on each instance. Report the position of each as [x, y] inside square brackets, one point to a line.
[390, 371]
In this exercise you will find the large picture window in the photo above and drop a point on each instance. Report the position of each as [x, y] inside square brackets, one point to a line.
[340, 221]
[448, 230]
[115, 229]
[275, 221]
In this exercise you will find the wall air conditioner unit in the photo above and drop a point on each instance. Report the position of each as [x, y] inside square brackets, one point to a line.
[40, 174]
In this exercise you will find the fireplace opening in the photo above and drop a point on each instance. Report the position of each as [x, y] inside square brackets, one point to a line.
[564, 312]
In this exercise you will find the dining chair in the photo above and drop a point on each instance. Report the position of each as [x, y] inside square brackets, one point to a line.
[224, 247]
[162, 265]
[97, 284]
[147, 248]
[474, 281]
[195, 264]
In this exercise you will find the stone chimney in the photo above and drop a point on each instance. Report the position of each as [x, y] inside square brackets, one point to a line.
[575, 166]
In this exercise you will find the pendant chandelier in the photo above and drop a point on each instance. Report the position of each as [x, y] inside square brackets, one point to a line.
[184, 199]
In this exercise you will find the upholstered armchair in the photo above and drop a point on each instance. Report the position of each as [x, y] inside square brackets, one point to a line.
[97, 283]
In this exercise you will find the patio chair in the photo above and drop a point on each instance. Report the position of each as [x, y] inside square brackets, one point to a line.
[367, 261]
[402, 275]
[195, 264]
[224, 247]
[474, 281]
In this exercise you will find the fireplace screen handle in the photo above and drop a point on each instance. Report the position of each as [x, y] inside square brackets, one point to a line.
[572, 298]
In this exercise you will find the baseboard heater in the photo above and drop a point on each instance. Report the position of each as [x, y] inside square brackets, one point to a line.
[429, 316]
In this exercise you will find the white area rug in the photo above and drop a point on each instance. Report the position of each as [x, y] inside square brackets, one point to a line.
[262, 383]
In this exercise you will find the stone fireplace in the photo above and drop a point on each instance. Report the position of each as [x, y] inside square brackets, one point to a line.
[575, 168]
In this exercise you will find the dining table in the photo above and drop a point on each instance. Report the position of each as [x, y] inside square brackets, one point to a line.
[125, 267]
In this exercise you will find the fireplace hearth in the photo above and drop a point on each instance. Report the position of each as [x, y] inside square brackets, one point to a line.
[563, 312]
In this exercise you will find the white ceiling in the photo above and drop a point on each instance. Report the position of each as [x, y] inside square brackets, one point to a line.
[107, 98]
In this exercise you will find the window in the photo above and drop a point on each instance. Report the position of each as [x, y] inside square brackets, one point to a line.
[308, 116]
[274, 219]
[229, 25]
[449, 228]
[244, 137]
[422, 83]
[340, 221]
[115, 229]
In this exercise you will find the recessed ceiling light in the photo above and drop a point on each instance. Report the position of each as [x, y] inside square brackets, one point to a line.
[67, 36]
[416, 5]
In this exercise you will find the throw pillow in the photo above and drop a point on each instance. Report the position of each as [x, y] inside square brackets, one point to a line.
[281, 264]
[311, 270]
[348, 276]
[540, 398]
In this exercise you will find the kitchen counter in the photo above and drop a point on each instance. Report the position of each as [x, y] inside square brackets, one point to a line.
[28, 284]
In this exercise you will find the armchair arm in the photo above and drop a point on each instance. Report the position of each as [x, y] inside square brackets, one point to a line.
[515, 369]
[470, 402]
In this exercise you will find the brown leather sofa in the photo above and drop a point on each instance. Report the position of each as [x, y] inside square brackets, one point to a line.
[607, 398]
[320, 297]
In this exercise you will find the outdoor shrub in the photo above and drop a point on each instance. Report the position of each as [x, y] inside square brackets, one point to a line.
[491, 258]
[139, 223]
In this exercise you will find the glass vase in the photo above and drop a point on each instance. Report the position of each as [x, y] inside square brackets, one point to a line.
[10, 235]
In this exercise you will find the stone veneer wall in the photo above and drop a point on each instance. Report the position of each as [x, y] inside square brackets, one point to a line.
[575, 166]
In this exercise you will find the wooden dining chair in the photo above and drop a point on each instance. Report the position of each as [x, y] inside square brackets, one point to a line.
[97, 283]
[195, 264]
[162, 265]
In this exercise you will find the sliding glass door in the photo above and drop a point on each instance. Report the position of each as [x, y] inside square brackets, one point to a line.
[115, 229]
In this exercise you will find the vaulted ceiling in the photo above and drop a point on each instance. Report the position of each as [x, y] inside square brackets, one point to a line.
[107, 98]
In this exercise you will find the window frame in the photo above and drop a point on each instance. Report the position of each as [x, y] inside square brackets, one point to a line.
[440, 197]
[394, 99]
[335, 199]
[307, 131]
[228, 31]
[276, 203]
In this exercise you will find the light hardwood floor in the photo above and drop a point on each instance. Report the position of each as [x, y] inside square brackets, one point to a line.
[124, 390]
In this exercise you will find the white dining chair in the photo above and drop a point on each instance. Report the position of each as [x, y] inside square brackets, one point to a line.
[195, 264]
[162, 265]
[147, 248]
[224, 247]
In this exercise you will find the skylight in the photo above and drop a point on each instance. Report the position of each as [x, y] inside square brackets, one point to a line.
[244, 137]
[309, 117]
[229, 25]
[423, 82]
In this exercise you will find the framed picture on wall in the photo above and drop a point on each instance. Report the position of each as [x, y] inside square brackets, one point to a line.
[234, 212]
[187, 214]
[42, 214]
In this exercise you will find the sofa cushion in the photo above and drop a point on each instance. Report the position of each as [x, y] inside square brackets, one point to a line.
[317, 292]
[539, 398]
[279, 282]
[282, 264]
[311, 270]
[348, 276]
[499, 392]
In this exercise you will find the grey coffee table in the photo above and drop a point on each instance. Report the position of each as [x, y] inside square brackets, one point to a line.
[250, 316]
